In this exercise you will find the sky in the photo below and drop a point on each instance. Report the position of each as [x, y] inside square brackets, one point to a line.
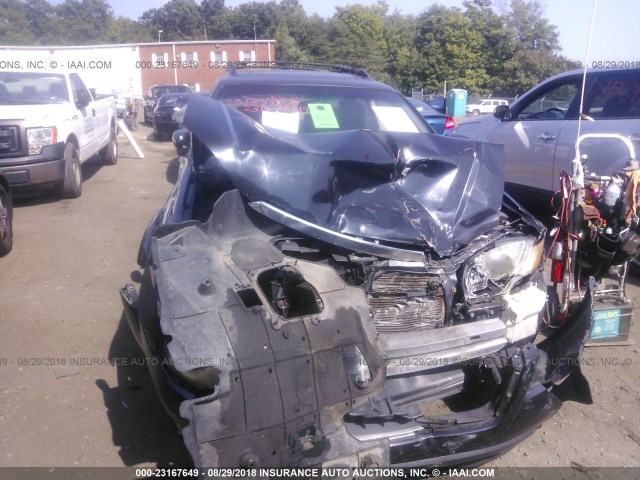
[615, 32]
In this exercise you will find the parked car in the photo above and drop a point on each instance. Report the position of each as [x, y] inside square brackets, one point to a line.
[51, 123]
[6, 212]
[438, 104]
[486, 105]
[155, 92]
[169, 112]
[442, 124]
[539, 130]
[332, 284]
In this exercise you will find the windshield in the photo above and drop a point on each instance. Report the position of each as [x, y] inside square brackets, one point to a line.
[318, 108]
[173, 100]
[159, 91]
[23, 88]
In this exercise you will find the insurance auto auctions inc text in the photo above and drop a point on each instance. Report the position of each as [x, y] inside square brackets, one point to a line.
[348, 473]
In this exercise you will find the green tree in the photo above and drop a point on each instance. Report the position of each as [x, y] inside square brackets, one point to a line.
[84, 22]
[532, 30]
[404, 64]
[125, 30]
[451, 50]
[178, 20]
[261, 16]
[210, 11]
[535, 56]
[43, 22]
[14, 26]
[498, 37]
[358, 39]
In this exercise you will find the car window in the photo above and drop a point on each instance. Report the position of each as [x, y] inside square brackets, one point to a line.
[319, 108]
[159, 91]
[550, 104]
[32, 88]
[78, 88]
[173, 100]
[614, 95]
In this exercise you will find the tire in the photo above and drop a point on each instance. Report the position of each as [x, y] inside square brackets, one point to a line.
[476, 112]
[72, 184]
[109, 153]
[6, 222]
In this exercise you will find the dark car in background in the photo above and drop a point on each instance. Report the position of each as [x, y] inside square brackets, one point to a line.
[438, 104]
[330, 283]
[443, 124]
[169, 112]
[155, 92]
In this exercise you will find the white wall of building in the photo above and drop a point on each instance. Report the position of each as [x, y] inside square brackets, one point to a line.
[104, 68]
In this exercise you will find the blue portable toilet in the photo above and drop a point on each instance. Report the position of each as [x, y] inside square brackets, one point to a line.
[457, 102]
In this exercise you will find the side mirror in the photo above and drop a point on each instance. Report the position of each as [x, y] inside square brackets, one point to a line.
[181, 141]
[502, 112]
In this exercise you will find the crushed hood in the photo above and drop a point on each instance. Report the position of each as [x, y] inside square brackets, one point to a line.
[416, 189]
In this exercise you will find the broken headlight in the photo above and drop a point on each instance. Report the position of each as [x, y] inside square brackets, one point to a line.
[502, 266]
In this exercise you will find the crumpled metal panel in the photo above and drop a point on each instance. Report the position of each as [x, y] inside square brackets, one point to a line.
[407, 188]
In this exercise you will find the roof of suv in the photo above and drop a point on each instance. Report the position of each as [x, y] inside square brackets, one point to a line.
[297, 77]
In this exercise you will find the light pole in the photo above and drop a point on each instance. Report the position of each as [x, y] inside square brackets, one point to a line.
[159, 32]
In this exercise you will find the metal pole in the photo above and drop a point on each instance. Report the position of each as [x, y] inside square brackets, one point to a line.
[255, 39]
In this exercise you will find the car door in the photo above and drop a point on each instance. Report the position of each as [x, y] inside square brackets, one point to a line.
[612, 100]
[531, 135]
[86, 118]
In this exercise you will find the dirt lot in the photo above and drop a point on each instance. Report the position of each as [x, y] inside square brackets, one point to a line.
[60, 302]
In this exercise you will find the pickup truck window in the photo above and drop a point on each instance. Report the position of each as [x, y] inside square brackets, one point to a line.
[552, 104]
[78, 87]
[615, 95]
[23, 88]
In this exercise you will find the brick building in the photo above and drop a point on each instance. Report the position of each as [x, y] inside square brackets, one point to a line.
[197, 64]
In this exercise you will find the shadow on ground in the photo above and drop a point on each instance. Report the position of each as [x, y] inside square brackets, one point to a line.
[141, 427]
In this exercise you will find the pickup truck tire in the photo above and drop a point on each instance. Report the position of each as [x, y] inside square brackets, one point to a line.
[6, 222]
[109, 153]
[72, 184]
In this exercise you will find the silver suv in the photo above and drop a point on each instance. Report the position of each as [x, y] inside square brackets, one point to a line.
[540, 128]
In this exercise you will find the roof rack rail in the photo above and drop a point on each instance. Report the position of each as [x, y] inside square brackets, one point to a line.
[361, 72]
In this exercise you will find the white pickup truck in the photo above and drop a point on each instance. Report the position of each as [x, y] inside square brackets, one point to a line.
[50, 123]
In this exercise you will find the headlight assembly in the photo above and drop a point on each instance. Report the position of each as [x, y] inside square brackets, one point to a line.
[502, 266]
[39, 137]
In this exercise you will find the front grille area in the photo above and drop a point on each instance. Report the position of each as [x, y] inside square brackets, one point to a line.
[404, 301]
[9, 139]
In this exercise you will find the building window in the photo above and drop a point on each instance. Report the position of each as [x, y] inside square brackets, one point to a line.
[219, 56]
[247, 56]
[194, 87]
[159, 59]
[190, 58]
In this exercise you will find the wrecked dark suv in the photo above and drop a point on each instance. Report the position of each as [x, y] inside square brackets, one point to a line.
[333, 285]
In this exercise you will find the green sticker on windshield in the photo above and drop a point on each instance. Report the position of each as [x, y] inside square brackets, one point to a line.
[323, 116]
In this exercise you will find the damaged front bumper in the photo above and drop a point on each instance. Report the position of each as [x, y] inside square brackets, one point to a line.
[319, 380]
[468, 413]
